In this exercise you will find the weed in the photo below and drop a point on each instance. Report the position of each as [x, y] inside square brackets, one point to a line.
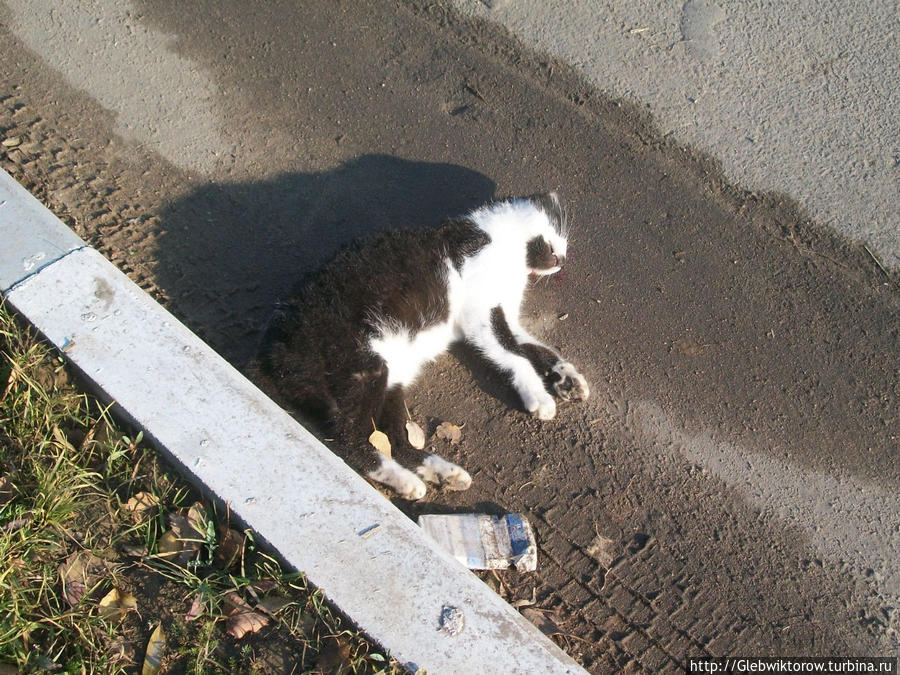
[86, 509]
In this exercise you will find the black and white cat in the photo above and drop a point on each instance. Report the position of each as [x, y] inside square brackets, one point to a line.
[356, 334]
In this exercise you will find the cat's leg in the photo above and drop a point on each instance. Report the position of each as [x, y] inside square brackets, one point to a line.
[494, 340]
[429, 467]
[439, 471]
[363, 406]
[557, 373]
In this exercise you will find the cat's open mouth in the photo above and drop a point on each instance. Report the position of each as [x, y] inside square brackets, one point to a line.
[546, 272]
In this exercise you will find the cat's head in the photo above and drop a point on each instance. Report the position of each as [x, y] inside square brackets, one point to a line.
[534, 225]
[545, 250]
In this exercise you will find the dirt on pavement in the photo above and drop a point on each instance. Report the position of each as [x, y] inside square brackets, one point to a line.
[733, 484]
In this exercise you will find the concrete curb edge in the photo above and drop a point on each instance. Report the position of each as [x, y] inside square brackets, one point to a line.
[276, 476]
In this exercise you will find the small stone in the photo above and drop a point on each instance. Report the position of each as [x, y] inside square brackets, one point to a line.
[452, 620]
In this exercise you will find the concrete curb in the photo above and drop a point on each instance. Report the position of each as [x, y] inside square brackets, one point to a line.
[278, 478]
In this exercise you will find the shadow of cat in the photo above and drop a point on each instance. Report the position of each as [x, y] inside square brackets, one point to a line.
[228, 251]
[486, 376]
[427, 507]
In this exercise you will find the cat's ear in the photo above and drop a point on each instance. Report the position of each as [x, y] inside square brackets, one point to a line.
[549, 203]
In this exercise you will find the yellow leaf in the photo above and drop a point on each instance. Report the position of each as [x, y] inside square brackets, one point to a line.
[169, 544]
[415, 435]
[380, 442]
[155, 649]
[116, 603]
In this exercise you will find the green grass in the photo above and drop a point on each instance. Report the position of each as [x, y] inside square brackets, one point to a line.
[71, 535]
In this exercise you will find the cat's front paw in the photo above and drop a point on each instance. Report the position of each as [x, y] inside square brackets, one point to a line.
[568, 383]
[540, 405]
[439, 471]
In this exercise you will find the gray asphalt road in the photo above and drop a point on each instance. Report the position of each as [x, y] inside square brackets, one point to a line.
[798, 97]
[732, 485]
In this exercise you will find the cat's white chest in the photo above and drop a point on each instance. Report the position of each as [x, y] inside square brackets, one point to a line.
[405, 352]
[486, 281]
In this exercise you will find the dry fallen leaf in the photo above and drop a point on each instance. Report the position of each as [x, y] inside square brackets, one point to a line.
[604, 550]
[334, 657]
[139, 504]
[544, 624]
[198, 606]
[242, 618]
[272, 604]
[169, 544]
[181, 544]
[80, 572]
[155, 648]
[134, 550]
[197, 520]
[230, 548]
[73, 591]
[688, 347]
[264, 585]
[449, 432]
[116, 603]
[415, 435]
[380, 441]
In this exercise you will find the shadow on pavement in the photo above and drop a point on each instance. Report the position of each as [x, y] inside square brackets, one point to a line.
[249, 243]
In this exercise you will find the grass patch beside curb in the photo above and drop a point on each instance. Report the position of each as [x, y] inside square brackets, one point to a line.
[101, 543]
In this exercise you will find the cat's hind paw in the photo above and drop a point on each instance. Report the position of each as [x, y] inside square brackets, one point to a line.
[439, 471]
[570, 383]
[402, 481]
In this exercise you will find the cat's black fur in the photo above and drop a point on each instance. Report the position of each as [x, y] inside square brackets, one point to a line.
[315, 357]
